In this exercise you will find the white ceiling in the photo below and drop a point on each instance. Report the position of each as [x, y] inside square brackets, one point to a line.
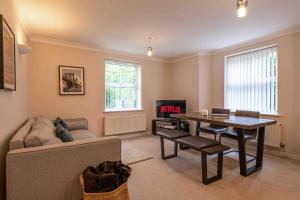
[179, 27]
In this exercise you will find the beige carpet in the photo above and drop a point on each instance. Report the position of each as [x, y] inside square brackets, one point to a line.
[132, 155]
[180, 178]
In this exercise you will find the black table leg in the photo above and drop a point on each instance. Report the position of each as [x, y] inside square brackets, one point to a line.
[198, 128]
[242, 152]
[260, 148]
[154, 127]
[181, 146]
[162, 147]
[244, 171]
[178, 124]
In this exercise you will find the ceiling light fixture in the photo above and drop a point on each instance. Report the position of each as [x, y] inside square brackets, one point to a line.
[242, 8]
[149, 49]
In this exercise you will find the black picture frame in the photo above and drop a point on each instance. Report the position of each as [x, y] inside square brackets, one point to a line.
[76, 83]
[7, 57]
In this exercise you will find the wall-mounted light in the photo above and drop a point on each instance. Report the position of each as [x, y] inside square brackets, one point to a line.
[242, 8]
[149, 49]
[24, 49]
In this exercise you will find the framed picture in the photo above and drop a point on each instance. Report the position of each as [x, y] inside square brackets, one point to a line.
[7, 57]
[71, 80]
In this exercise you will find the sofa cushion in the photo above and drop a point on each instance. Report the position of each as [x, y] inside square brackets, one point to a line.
[63, 133]
[77, 124]
[40, 134]
[17, 142]
[46, 121]
[81, 134]
[61, 122]
[53, 140]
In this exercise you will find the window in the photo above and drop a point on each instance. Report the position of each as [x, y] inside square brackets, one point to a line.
[251, 81]
[122, 86]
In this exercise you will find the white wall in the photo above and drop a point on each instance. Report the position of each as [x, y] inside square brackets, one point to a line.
[13, 105]
[43, 85]
[190, 79]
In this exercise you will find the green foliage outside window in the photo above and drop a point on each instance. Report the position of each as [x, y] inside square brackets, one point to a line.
[121, 85]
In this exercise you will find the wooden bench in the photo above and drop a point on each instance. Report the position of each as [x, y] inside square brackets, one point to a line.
[170, 135]
[204, 145]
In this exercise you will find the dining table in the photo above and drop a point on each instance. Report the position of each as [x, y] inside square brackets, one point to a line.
[240, 124]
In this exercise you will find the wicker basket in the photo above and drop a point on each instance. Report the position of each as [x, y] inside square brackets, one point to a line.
[121, 193]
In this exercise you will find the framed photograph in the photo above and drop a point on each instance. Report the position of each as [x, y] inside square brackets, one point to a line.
[7, 57]
[71, 80]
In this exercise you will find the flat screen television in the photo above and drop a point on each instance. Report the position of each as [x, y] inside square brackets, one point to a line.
[166, 107]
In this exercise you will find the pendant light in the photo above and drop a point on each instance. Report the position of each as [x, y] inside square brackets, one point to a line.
[149, 49]
[242, 8]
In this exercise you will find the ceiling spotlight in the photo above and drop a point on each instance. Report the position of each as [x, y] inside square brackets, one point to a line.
[242, 8]
[149, 48]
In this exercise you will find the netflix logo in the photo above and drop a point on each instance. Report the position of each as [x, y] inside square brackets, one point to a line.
[170, 109]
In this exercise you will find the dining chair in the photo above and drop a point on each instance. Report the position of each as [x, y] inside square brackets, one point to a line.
[214, 129]
[248, 134]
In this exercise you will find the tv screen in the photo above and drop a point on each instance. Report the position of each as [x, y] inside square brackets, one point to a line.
[166, 107]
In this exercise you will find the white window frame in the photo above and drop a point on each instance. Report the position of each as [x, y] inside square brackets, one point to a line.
[277, 78]
[139, 100]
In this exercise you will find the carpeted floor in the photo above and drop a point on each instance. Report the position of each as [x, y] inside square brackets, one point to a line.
[180, 178]
[132, 155]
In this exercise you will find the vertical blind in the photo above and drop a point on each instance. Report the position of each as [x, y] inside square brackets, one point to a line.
[251, 81]
[122, 85]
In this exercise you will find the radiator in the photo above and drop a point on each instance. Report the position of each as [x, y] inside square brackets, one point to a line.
[124, 124]
[273, 135]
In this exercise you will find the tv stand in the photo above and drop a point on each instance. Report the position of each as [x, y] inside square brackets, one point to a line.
[184, 125]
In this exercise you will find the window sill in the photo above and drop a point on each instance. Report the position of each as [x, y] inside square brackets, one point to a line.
[271, 115]
[116, 111]
[267, 115]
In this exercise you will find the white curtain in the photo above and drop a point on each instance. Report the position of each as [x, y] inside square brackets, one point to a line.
[251, 81]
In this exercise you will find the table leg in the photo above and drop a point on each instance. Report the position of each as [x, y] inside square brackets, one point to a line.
[162, 147]
[260, 148]
[154, 127]
[242, 152]
[244, 171]
[181, 146]
[178, 124]
[198, 128]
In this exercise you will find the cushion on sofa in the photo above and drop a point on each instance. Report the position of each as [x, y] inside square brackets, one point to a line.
[39, 135]
[63, 133]
[82, 134]
[77, 124]
[53, 140]
[61, 122]
[46, 121]
[17, 142]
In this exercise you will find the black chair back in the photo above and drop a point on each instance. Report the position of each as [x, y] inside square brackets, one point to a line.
[245, 113]
[219, 111]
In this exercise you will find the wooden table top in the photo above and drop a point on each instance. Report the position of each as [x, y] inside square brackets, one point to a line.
[247, 123]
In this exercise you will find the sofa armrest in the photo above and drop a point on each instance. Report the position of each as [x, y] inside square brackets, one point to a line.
[77, 124]
[52, 171]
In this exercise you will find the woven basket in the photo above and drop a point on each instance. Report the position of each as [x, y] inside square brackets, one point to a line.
[121, 193]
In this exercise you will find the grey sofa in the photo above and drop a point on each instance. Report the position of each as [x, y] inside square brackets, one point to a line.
[51, 169]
